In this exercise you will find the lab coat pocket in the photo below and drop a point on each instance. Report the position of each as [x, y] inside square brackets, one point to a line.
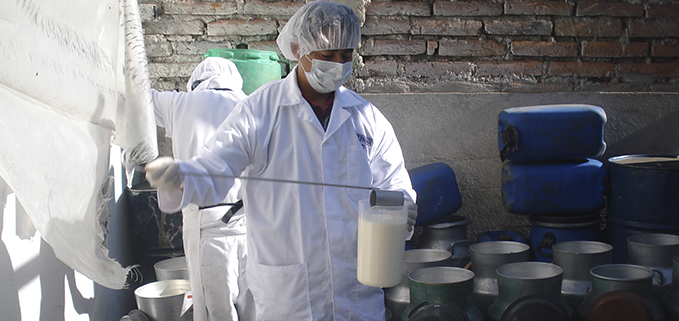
[370, 302]
[358, 172]
[280, 292]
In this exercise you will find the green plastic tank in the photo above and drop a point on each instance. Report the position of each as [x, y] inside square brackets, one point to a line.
[257, 67]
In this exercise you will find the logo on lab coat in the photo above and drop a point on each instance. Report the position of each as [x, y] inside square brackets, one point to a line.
[366, 142]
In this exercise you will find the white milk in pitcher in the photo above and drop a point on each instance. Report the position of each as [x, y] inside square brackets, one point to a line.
[381, 244]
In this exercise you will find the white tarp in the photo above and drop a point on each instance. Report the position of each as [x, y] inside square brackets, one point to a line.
[73, 79]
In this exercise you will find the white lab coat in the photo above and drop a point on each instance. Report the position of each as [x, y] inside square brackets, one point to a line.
[215, 251]
[301, 238]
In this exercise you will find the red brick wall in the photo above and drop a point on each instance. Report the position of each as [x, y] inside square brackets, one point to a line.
[448, 46]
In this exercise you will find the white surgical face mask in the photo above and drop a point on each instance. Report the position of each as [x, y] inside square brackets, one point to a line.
[327, 76]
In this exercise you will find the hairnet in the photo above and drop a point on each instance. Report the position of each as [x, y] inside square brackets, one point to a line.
[317, 26]
[215, 72]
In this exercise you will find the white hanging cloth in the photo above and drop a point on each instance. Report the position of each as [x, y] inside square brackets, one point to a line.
[73, 75]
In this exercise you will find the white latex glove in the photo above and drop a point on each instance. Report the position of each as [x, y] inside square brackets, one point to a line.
[412, 214]
[164, 173]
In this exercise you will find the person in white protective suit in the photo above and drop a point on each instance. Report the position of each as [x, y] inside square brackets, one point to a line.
[215, 250]
[302, 238]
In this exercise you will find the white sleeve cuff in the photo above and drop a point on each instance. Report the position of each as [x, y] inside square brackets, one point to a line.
[170, 201]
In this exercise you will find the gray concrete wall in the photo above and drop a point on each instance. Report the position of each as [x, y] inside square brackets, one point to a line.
[460, 130]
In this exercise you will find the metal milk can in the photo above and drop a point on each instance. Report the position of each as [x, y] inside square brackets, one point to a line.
[450, 236]
[443, 285]
[655, 251]
[622, 277]
[576, 258]
[527, 279]
[397, 298]
[486, 257]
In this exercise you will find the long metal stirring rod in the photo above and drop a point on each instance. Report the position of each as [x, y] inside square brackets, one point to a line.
[377, 196]
[278, 180]
[141, 169]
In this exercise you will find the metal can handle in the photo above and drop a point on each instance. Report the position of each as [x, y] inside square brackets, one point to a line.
[451, 249]
[661, 277]
[547, 241]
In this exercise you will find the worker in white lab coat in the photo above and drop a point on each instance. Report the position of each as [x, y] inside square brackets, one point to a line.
[215, 250]
[302, 238]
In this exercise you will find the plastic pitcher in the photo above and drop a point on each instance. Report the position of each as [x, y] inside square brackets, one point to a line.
[381, 244]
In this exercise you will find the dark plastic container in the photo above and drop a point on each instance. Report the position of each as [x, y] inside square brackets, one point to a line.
[551, 133]
[644, 198]
[438, 196]
[644, 189]
[548, 230]
[553, 188]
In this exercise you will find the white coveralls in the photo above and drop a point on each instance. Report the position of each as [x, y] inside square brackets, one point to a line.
[302, 245]
[215, 251]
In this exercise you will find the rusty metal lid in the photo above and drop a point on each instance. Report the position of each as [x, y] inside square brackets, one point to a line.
[619, 305]
[536, 307]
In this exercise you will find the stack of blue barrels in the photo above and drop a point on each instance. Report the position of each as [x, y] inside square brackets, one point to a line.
[549, 172]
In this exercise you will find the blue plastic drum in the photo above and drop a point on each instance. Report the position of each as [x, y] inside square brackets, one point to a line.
[438, 196]
[566, 188]
[644, 198]
[551, 133]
